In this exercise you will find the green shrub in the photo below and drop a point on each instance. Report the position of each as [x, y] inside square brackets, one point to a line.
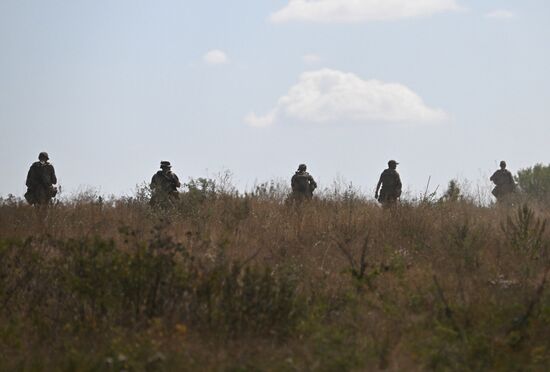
[91, 281]
[535, 181]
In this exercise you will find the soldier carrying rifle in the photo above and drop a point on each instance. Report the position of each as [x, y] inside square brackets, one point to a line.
[504, 182]
[302, 184]
[164, 186]
[391, 185]
[40, 181]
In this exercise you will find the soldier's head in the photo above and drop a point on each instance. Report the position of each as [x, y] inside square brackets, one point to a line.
[392, 164]
[503, 165]
[165, 165]
[43, 156]
[302, 168]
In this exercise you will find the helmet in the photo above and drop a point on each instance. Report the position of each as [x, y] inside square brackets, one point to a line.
[165, 164]
[43, 156]
[302, 167]
[503, 164]
[392, 162]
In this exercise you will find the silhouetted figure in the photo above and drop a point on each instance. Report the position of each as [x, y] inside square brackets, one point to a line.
[504, 182]
[40, 181]
[164, 186]
[391, 185]
[302, 184]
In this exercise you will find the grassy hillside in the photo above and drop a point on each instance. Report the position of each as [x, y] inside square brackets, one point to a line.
[232, 282]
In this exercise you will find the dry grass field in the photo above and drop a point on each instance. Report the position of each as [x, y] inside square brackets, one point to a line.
[251, 282]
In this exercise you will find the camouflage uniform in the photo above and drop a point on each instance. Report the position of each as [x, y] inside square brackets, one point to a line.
[391, 185]
[302, 184]
[40, 182]
[504, 182]
[164, 186]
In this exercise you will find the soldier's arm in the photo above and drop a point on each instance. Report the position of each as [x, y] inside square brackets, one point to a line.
[378, 187]
[30, 177]
[312, 183]
[293, 182]
[177, 181]
[492, 179]
[53, 177]
[511, 178]
[398, 181]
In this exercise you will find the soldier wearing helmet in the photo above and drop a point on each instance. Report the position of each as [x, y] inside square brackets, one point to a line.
[164, 186]
[302, 184]
[41, 181]
[391, 185]
[504, 182]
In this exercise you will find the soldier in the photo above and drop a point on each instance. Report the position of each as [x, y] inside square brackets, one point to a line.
[40, 181]
[504, 182]
[302, 184]
[391, 185]
[164, 186]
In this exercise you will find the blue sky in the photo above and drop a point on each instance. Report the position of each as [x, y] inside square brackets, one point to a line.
[110, 88]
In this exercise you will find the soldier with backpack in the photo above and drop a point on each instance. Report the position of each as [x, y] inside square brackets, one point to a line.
[164, 186]
[41, 181]
[302, 184]
[391, 185]
[504, 182]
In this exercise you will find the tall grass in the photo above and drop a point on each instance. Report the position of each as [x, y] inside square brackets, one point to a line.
[226, 281]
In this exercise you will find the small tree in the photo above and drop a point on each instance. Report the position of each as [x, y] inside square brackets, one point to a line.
[535, 181]
[453, 192]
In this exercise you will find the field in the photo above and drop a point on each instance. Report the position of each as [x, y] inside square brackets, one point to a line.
[234, 282]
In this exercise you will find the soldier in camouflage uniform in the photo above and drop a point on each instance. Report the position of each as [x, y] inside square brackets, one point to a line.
[302, 184]
[40, 181]
[391, 185]
[164, 186]
[504, 182]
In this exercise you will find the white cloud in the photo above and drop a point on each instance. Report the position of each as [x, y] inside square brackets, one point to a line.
[500, 14]
[311, 59]
[334, 96]
[328, 11]
[260, 121]
[215, 57]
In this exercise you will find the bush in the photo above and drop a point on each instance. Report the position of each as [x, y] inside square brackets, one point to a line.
[89, 282]
[535, 181]
[224, 281]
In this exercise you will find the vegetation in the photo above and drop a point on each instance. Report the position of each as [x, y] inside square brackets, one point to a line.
[535, 181]
[253, 282]
[453, 192]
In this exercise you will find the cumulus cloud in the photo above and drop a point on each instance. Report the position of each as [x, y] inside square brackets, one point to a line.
[340, 11]
[333, 96]
[215, 57]
[261, 121]
[500, 14]
[311, 59]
